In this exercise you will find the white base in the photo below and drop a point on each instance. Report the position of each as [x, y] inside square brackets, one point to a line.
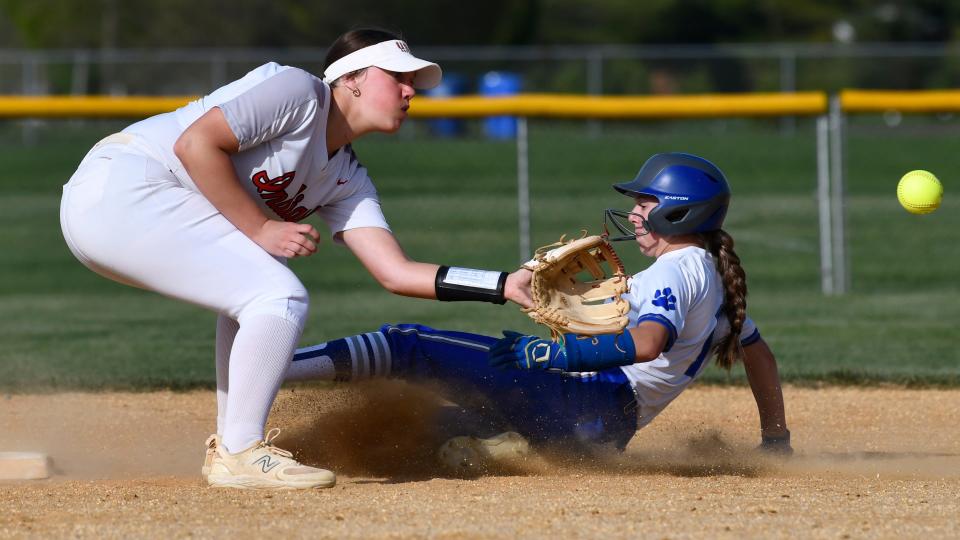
[24, 466]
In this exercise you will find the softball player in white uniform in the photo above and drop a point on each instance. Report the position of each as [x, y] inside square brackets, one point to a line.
[690, 303]
[202, 204]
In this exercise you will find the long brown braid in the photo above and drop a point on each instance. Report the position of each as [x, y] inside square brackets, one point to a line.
[720, 245]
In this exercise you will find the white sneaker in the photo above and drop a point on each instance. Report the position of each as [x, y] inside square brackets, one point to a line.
[265, 466]
[473, 455]
[211, 444]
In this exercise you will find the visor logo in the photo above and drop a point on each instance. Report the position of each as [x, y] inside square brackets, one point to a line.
[402, 45]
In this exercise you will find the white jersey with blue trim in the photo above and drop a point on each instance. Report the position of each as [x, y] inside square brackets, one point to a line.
[682, 291]
[279, 116]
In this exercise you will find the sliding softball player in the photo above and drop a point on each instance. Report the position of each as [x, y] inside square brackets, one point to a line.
[204, 204]
[689, 305]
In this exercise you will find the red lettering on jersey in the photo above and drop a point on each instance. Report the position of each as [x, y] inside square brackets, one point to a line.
[263, 182]
[273, 191]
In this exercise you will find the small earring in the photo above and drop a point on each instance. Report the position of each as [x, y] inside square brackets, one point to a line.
[356, 92]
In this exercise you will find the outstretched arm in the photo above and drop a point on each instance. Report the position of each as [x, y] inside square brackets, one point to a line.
[642, 343]
[761, 368]
[381, 254]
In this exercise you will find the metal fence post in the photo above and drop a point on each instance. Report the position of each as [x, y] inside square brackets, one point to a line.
[31, 87]
[841, 270]
[80, 73]
[594, 88]
[218, 71]
[788, 83]
[523, 188]
[823, 205]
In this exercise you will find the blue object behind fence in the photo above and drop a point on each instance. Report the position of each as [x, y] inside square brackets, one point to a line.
[451, 85]
[500, 83]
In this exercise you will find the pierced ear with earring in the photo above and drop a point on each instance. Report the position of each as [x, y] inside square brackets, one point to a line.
[354, 91]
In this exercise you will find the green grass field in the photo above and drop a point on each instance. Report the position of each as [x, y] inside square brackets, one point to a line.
[454, 202]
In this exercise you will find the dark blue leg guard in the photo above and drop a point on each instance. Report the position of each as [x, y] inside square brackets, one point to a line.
[544, 407]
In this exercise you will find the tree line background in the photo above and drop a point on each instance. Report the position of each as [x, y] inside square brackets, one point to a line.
[298, 23]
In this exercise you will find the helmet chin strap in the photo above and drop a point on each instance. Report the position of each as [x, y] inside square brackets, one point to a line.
[620, 219]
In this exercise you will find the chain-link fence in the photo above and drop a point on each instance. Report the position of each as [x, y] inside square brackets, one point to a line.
[580, 69]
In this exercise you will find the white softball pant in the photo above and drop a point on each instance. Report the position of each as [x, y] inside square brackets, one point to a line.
[127, 217]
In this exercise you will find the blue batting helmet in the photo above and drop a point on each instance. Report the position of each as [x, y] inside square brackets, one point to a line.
[693, 194]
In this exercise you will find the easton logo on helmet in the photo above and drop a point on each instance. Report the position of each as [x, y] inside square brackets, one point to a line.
[675, 198]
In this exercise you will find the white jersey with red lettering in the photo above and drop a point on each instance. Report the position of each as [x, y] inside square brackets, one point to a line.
[682, 291]
[133, 214]
[279, 116]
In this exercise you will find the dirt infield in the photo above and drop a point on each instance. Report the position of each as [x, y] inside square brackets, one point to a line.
[869, 463]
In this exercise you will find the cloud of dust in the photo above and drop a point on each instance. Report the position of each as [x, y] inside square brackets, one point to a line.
[389, 429]
[888, 465]
[381, 428]
[711, 453]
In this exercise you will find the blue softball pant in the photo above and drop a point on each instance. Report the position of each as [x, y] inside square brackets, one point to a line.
[545, 407]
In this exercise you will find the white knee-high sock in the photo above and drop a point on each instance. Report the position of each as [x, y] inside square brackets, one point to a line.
[353, 358]
[226, 332]
[260, 356]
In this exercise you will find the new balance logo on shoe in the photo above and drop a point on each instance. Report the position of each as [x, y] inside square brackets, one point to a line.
[266, 463]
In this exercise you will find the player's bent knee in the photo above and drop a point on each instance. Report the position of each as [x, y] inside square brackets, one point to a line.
[292, 304]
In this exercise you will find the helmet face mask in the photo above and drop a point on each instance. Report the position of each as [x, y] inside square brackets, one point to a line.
[620, 220]
[692, 194]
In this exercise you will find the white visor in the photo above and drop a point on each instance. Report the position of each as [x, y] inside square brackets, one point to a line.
[393, 55]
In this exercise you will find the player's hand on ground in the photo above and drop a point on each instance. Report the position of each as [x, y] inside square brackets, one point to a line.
[517, 288]
[776, 445]
[518, 351]
[286, 239]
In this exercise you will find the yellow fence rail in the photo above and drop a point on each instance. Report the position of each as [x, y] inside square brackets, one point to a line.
[88, 106]
[624, 107]
[925, 101]
[526, 105]
[539, 105]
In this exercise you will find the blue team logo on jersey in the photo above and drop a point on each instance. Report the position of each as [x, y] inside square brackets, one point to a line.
[665, 299]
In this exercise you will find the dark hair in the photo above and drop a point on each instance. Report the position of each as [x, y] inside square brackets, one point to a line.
[354, 40]
[720, 245]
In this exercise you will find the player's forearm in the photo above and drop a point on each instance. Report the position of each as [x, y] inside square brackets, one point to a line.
[596, 353]
[649, 340]
[761, 369]
[381, 255]
[410, 278]
[420, 280]
[212, 171]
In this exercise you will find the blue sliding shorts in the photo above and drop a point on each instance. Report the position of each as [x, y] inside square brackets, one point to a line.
[546, 408]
